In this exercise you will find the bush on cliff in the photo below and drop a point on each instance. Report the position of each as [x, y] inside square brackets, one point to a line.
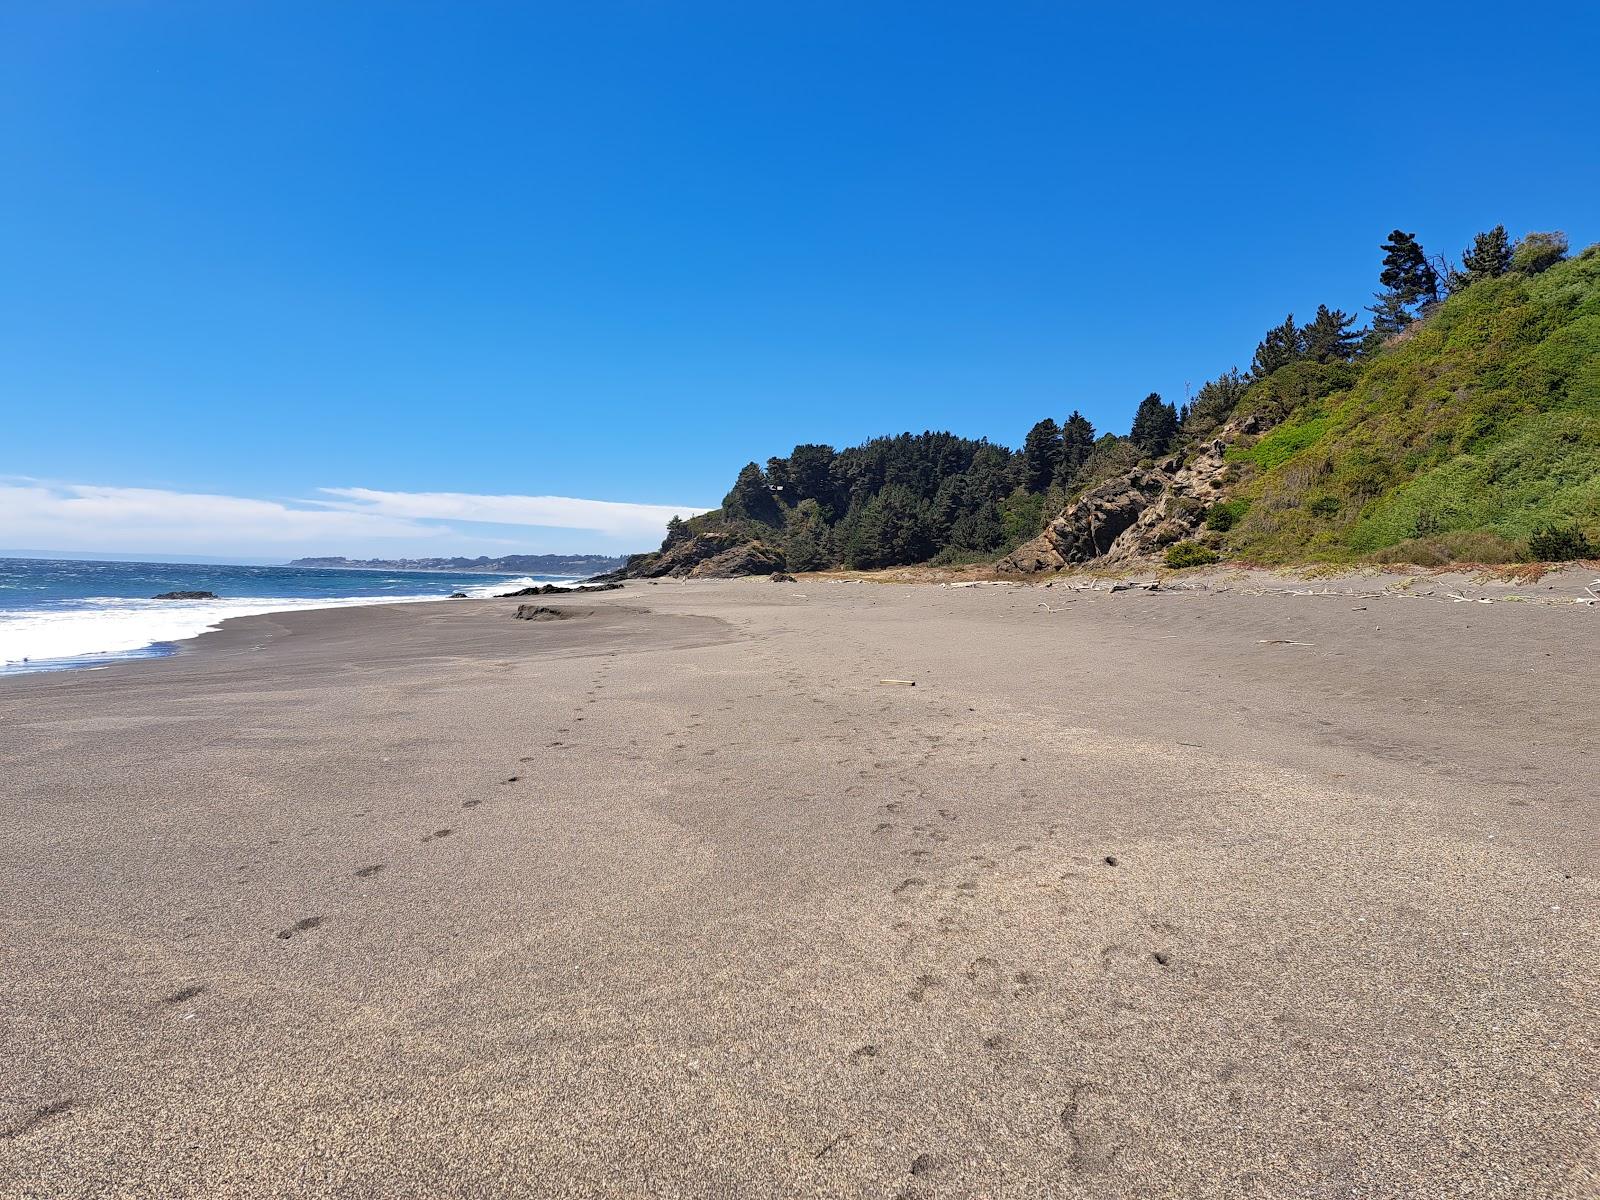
[1190, 554]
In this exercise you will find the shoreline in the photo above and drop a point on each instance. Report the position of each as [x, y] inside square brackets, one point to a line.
[160, 648]
[1559, 585]
[202, 616]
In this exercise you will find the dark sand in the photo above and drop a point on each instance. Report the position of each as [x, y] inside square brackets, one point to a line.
[676, 898]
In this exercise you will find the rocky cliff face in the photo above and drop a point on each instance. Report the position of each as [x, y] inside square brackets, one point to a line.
[710, 555]
[1089, 527]
[1136, 515]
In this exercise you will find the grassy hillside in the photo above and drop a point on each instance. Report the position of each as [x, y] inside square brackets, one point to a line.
[1455, 441]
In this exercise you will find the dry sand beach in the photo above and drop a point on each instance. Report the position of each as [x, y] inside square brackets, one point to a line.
[1137, 894]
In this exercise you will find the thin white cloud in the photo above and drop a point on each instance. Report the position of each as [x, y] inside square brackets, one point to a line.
[75, 516]
[608, 517]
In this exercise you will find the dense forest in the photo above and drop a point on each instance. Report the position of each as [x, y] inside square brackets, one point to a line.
[1343, 440]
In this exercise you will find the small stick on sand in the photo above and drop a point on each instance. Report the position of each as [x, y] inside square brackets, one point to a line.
[901, 682]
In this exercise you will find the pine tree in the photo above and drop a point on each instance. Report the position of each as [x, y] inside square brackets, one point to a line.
[751, 499]
[1330, 336]
[1489, 258]
[1155, 426]
[1389, 317]
[1041, 455]
[807, 542]
[1077, 443]
[810, 475]
[1284, 344]
[1217, 398]
[1406, 271]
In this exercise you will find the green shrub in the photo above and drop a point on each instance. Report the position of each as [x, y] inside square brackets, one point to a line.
[1539, 252]
[1225, 514]
[1325, 506]
[1462, 546]
[1552, 544]
[1283, 443]
[1190, 554]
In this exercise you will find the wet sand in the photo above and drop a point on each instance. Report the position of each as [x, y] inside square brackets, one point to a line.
[1182, 894]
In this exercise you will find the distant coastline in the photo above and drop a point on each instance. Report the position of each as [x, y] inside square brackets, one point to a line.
[573, 565]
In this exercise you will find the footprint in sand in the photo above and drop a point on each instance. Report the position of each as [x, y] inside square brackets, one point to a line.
[437, 833]
[37, 1117]
[300, 926]
[184, 993]
[1090, 1149]
[368, 871]
[984, 973]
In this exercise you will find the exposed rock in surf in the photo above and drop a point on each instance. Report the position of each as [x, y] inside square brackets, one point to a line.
[186, 596]
[551, 589]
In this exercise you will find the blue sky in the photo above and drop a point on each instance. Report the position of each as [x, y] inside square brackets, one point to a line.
[612, 251]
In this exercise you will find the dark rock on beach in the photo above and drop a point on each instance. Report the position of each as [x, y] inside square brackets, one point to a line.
[458, 596]
[540, 612]
[186, 596]
[552, 589]
[781, 577]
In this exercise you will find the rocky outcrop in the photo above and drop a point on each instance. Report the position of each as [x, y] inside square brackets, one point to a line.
[1089, 526]
[714, 554]
[1193, 486]
[747, 558]
[555, 589]
[1136, 515]
[186, 596]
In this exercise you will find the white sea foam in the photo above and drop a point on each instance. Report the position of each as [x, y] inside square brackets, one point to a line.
[489, 590]
[115, 626]
[501, 587]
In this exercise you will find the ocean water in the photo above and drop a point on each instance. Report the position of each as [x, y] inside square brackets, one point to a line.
[59, 613]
